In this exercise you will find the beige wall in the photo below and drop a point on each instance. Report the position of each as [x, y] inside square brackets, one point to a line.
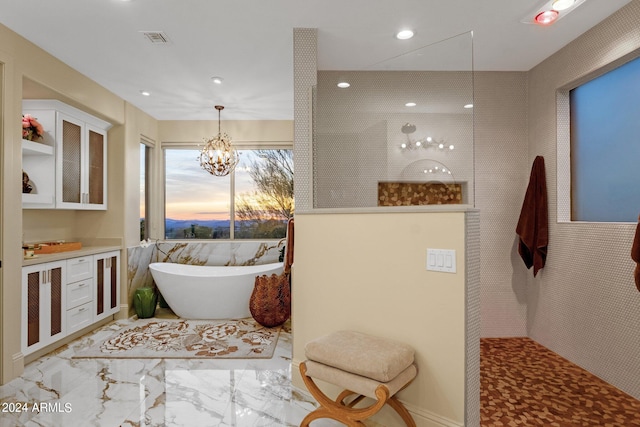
[240, 131]
[11, 363]
[385, 290]
[55, 80]
[139, 126]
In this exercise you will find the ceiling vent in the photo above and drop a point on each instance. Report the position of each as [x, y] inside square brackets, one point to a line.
[156, 37]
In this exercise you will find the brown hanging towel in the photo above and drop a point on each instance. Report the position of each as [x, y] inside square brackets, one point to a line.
[635, 254]
[533, 225]
[288, 261]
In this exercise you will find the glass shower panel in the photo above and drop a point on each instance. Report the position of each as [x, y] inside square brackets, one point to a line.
[401, 134]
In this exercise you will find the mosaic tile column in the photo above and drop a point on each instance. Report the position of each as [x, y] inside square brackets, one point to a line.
[472, 322]
[305, 47]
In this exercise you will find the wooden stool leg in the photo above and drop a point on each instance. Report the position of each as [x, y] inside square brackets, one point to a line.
[338, 410]
[323, 413]
[402, 411]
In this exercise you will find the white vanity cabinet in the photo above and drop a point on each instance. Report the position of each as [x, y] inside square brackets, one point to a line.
[107, 284]
[80, 144]
[79, 293]
[43, 305]
[65, 296]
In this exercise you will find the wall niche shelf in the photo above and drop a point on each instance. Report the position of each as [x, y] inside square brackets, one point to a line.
[38, 161]
[36, 199]
[31, 148]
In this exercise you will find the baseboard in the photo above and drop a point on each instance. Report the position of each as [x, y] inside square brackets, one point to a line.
[123, 313]
[429, 419]
[17, 364]
[387, 417]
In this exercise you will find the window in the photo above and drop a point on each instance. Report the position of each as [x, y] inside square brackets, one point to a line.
[258, 195]
[144, 190]
[605, 146]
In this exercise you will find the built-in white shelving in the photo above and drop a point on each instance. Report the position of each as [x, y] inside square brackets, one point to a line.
[36, 199]
[39, 162]
[31, 148]
[68, 167]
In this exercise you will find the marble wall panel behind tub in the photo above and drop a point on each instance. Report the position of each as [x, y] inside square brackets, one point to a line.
[195, 253]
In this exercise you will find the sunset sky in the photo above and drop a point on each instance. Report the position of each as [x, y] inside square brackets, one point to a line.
[192, 193]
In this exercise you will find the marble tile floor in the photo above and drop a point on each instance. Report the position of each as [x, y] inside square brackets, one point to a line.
[59, 391]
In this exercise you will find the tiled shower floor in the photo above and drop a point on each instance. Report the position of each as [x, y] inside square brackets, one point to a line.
[526, 384]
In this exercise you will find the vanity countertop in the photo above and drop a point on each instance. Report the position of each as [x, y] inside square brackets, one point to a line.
[86, 250]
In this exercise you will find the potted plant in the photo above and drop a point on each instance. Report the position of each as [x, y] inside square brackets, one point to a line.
[31, 129]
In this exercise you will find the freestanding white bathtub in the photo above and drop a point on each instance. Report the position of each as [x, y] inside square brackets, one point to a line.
[209, 292]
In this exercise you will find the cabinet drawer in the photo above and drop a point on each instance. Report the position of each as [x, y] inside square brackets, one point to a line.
[79, 317]
[79, 293]
[79, 269]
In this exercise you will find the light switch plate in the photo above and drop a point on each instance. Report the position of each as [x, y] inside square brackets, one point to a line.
[441, 260]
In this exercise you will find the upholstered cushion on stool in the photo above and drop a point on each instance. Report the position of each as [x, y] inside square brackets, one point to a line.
[357, 383]
[357, 353]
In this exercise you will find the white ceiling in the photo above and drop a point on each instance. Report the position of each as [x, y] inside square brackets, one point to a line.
[250, 43]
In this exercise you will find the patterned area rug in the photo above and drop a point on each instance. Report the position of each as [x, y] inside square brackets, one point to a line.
[188, 339]
[526, 384]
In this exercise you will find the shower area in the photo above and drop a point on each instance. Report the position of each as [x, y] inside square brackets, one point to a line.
[399, 133]
[356, 150]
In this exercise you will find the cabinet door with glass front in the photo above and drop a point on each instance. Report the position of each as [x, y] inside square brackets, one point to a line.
[43, 305]
[81, 165]
[96, 169]
[107, 284]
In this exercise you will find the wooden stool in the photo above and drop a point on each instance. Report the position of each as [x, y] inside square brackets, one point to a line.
[364, 366]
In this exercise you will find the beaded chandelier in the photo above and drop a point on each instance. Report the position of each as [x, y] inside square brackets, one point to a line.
[218, 157]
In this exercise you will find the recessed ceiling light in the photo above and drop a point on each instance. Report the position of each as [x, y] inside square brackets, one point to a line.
[145, 93]
[562, 4]
[410, 104]
[546, 17]
[217, 80]
[404, 34]
[468, 106]
[343, 85]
